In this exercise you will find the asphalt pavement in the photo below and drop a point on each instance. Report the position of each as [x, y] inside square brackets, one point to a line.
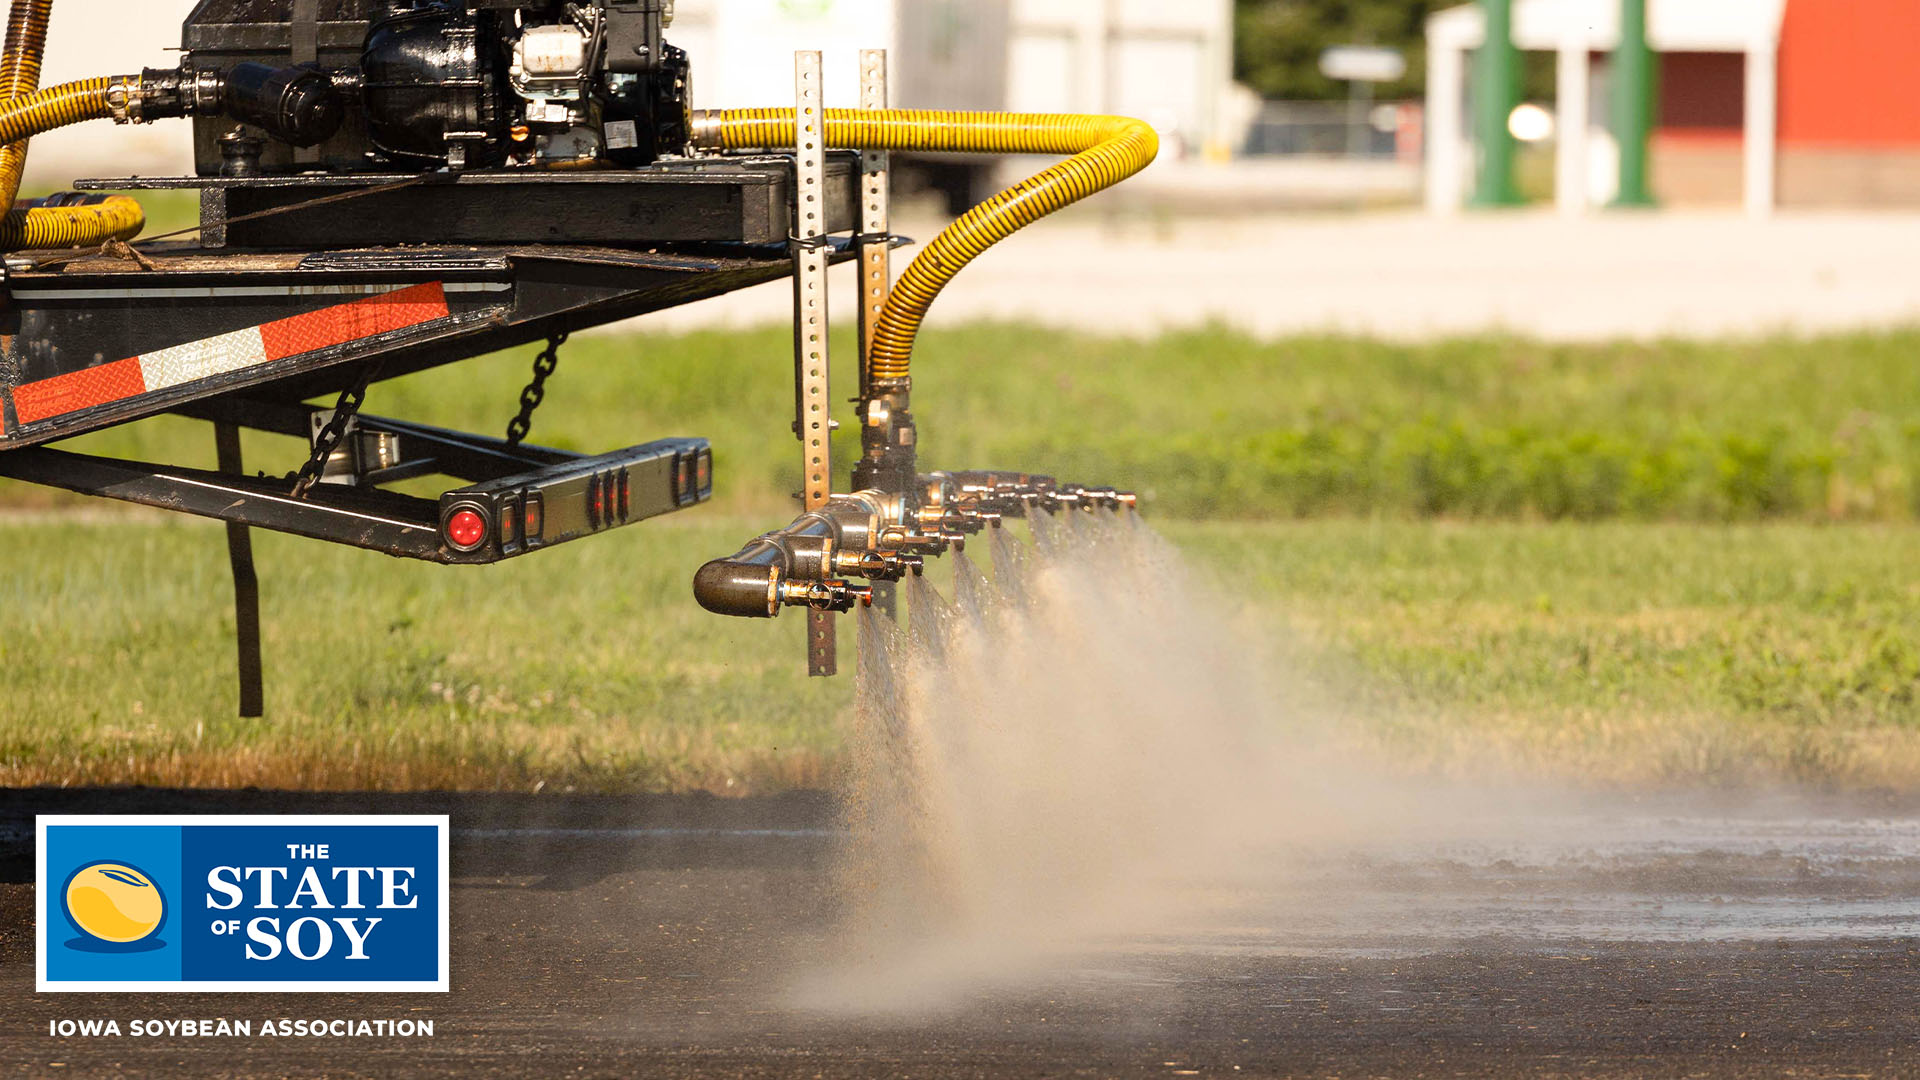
[704, 937]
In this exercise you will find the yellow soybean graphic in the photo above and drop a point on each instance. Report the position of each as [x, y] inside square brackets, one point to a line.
[114, 902]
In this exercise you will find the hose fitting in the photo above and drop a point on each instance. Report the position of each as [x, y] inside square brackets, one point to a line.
[803, 563]
[300, 105]
[887, 437]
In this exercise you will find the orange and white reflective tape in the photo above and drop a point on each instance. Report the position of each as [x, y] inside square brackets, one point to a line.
[225, 353]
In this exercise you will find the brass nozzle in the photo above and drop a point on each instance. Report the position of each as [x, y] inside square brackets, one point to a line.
[826, 595]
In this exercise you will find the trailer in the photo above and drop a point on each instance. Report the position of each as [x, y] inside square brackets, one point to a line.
[387, 186]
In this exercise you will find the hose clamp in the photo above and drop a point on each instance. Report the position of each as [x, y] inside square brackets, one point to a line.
[208, 93]
[703, 130]
[123, 101]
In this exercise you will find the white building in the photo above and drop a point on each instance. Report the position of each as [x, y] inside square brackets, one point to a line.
[1577, 31]
[1169, 62]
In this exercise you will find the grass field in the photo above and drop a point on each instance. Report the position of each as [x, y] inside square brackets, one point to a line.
[1604, 653]
[1620, 564]
[1213, 425]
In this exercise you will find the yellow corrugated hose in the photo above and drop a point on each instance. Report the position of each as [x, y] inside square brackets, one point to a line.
[28, 226]
[32, 226]
[1105, 149]
[56, 106]
[25, 113]
[19, 76]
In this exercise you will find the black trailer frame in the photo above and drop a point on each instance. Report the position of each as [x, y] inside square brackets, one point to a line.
[219, 330]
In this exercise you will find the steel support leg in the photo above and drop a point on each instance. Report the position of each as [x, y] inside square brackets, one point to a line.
[246, 584]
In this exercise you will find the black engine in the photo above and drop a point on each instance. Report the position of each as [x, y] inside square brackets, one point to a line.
[380, 85]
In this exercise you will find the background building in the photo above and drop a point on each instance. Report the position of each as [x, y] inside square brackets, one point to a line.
[1762, 102]
[1170, 63]
[1166, 61]
[1796, 103]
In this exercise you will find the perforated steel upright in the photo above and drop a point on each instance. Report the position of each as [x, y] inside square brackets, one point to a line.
[813, 416]
[876, 245]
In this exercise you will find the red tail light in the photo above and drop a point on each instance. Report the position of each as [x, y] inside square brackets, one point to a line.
[466, 529]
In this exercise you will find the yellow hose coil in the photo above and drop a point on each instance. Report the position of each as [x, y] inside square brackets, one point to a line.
[26, 45]
[27, 226]
[56, 106]
[19, 76]
[1105, 149]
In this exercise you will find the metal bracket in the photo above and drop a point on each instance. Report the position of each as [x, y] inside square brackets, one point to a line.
[876, 250]
[813, 416]
[876, 246]
[813, 413]
[303, 39]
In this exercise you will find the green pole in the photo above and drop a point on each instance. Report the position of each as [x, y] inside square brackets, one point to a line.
[1633, 103]
[1496, 90]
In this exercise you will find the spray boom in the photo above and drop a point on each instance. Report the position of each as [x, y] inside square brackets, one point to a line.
[880, 536]
[896, 517]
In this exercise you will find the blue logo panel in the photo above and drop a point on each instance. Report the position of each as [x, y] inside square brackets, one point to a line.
[153, 851]
[218, 903]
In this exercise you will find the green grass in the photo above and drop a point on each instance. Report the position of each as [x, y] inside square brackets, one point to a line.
[1210, 424]
[1627, 653]
[1618, 654]
[168, 211]
[1621, 563]
[588, 667]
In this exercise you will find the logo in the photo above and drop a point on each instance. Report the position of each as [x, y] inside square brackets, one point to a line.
[116, 905]
[272, 904]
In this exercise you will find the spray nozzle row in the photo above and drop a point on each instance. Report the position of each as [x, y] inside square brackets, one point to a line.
[987, 497]
[880, 536]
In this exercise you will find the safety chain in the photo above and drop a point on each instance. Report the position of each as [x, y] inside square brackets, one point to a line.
[536, 391]
[328, 440]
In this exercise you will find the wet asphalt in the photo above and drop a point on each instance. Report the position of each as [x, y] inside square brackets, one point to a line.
[674, 938]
